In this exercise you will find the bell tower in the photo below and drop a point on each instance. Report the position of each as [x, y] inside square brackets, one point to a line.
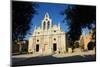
[46, 22]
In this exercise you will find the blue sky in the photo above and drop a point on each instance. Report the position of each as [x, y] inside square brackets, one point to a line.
[54, 11]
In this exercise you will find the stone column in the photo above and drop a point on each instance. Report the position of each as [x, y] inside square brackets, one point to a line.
[34, 44]
[59, 44]
[50, 44]
[41, 42]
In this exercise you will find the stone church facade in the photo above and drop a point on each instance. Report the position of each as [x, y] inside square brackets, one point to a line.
[48, 38]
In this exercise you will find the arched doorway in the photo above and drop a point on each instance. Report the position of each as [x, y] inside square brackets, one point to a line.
[37, 47]
[91, 45]
[54, 46]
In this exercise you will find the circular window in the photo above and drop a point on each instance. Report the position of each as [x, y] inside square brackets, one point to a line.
[37, 40]
[54, 38]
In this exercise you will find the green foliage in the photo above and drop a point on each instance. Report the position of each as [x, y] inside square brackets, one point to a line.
[22, 12]
[94, 33]
[15, 48]
[76, 45]
[78, 17]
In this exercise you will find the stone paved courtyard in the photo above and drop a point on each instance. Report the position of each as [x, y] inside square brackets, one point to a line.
[31, 59]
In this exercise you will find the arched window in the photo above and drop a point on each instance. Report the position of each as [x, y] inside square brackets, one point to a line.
[48, 26]
[44, 25]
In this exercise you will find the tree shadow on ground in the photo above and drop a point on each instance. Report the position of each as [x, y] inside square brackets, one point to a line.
[51, 60]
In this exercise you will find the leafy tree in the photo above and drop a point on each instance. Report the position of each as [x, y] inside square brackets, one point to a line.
[94, 33]
[78, 17]
[76, 44]
[22, 12]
